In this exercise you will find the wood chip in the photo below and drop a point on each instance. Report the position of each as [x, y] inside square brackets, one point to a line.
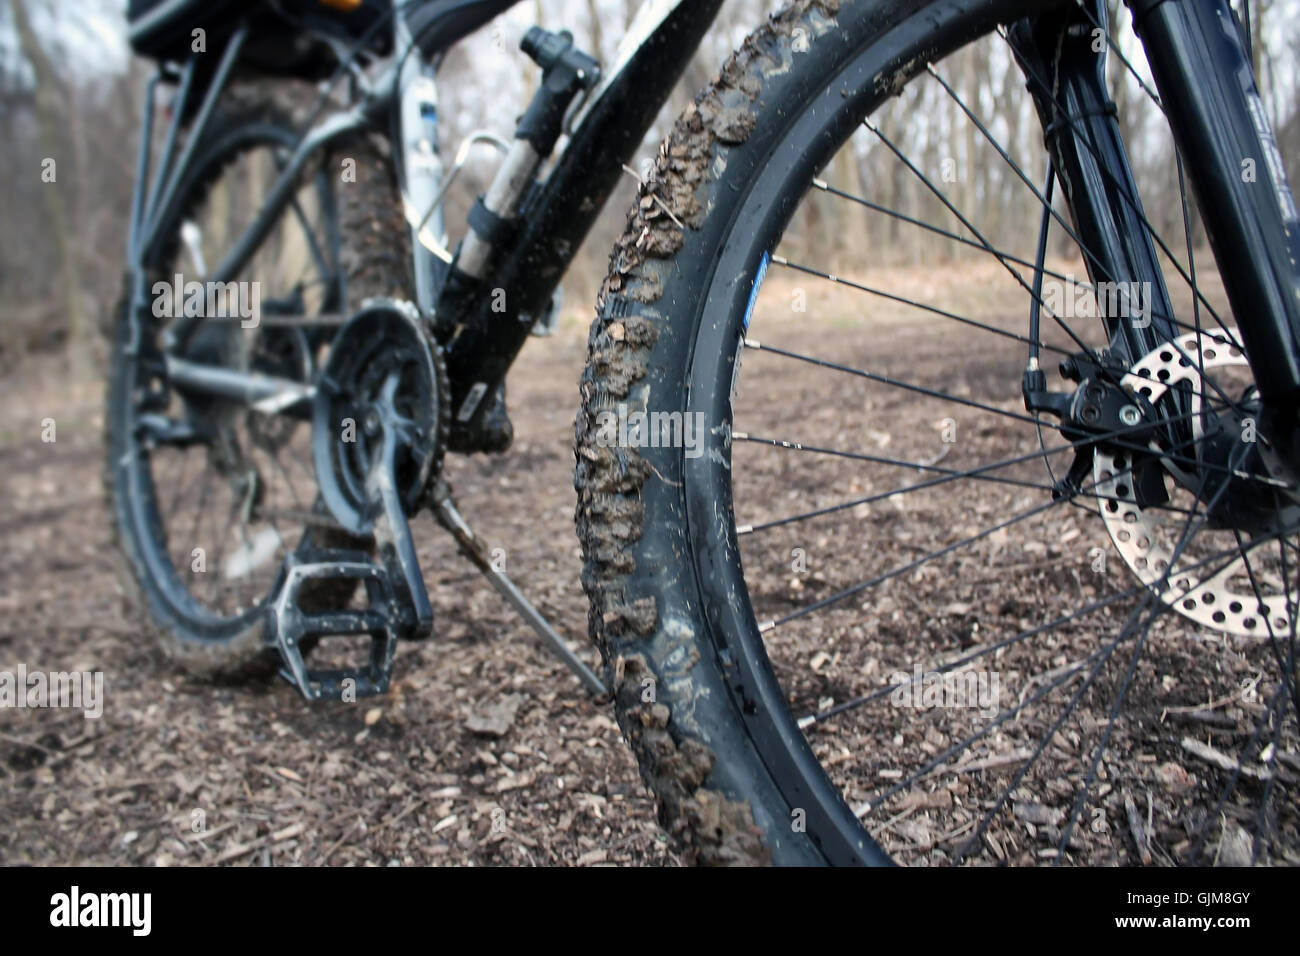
[288, 832]
[496, 719]
[1141, 838]
[1219, 759]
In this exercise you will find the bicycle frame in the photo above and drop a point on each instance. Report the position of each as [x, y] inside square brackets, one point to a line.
[1201, 67]
[611, 122]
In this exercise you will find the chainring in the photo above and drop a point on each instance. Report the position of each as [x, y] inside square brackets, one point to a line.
[382, 366]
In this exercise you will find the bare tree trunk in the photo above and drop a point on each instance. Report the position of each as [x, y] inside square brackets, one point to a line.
[1257, 38]
[844, 224]
[1121, 84]
[975, 74]
[597, 34]
[49, 117]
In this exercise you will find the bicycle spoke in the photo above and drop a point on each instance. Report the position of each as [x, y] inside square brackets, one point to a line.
[1193, 524]
[948, 234]
[1230, 786]
[1287, 667]
[198, 516]
[911, 566]
[947, 475]
[988, 246]
[1134, 206]
[992, 649]
[179, 486]
[903, 300]
[991, 409]
[1286, 670]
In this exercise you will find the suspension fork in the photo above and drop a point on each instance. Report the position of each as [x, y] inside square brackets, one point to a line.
[1202, 68]
[1064, 64]
[1203, 74]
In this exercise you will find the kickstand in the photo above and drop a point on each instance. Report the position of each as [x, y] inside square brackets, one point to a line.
[444, 509]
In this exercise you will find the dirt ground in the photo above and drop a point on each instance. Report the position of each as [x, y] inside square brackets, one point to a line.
[973, 592]
[486, 751]
[181, 772]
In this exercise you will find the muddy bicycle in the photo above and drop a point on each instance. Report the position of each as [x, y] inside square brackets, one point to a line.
[997, 577]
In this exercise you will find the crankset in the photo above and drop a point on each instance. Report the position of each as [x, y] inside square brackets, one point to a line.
[378, 422]
[378, 427]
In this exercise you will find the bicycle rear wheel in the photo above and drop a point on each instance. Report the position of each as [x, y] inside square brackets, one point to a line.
[208, 498]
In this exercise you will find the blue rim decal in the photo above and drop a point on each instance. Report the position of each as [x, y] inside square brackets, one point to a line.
[758, 284]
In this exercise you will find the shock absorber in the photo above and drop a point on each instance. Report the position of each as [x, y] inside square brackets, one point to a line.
[566, 72]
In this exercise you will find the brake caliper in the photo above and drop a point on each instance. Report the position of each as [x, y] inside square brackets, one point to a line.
[1099, 413]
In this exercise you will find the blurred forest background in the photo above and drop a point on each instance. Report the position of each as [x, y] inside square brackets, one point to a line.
[70, 90]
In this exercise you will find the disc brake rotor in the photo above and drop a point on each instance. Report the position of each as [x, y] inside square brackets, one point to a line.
[1212, 596]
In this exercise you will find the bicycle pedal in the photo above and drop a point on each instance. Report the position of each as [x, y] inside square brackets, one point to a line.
[380, 621]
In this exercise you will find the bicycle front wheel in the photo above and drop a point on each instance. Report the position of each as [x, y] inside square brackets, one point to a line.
[852, 609]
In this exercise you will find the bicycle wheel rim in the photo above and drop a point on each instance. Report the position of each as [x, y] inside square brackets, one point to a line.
[217, 170]
[774, 193]
[788, 164]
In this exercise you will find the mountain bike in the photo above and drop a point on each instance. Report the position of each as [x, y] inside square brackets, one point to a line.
[1002, 581]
